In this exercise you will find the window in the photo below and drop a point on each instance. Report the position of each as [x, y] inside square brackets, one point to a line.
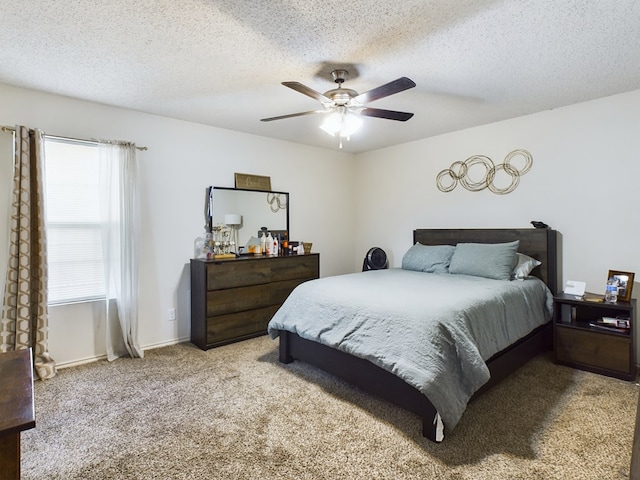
[74, 243]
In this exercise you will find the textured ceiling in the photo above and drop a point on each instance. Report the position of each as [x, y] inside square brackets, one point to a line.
[220, 62]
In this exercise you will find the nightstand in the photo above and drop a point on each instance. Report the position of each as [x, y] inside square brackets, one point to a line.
[580, 341]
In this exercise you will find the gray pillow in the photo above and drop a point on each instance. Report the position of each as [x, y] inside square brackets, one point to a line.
[490, 260]
[428, 258]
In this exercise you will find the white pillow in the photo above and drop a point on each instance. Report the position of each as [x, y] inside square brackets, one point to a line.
[524, 266]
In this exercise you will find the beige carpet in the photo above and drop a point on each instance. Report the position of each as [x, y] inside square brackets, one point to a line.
[236, 413]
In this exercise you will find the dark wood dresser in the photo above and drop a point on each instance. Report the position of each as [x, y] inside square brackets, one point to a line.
[233, 300]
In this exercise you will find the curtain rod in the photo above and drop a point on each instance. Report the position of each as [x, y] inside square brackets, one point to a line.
[5, 128]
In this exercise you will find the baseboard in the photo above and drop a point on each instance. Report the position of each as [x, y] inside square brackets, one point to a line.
[152, 346]
[82, 361]
[166, 344]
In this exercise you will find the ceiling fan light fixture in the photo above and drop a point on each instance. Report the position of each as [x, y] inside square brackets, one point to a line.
[332, 123]
[345, 107]
[342, 123]
[351, 124]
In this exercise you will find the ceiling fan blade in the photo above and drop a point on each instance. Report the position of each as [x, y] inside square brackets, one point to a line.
[291, 115]
[399, 85]
[388, 114]
[310, 92]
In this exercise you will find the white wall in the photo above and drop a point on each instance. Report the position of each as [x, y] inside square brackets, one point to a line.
[183, 158]
[584, 183]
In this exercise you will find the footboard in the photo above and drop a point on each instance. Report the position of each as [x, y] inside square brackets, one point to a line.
[364, 375]
[377, 381]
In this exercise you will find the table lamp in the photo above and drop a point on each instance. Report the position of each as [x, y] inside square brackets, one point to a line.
[232, 220]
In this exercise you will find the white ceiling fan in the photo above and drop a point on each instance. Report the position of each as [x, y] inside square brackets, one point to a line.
[345, 106]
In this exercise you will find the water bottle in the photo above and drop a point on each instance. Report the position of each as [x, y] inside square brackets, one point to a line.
[611, 293]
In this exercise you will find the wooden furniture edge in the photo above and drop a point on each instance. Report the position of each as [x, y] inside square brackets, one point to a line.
[17, 408]
[19, 366]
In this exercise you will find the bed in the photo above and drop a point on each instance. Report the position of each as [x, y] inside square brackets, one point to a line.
[411, 391]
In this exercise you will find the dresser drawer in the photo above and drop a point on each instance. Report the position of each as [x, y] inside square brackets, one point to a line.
[222, 275]
[593, 349]
[236, 326]
[246, 298]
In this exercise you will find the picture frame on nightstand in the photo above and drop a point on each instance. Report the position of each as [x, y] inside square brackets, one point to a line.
[625, 284]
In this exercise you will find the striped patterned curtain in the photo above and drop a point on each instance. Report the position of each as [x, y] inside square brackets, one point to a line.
[24, 320]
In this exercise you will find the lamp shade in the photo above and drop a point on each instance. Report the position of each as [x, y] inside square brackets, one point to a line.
[232, 219]
[342, 123]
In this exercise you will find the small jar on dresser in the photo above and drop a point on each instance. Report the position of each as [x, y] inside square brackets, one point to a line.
[234, 299]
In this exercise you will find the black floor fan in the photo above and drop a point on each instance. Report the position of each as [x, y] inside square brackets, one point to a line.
[375, 259]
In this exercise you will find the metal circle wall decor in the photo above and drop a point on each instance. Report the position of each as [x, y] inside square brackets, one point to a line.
[476, 186]
[452, 174]
[276, 202]
[459, 171]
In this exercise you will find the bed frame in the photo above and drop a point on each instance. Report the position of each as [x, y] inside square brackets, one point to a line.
[541, 244]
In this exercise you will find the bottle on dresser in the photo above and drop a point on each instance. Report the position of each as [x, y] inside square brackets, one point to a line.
[263, 243]
[269, 244]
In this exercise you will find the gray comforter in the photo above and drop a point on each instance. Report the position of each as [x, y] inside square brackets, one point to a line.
[434, 331]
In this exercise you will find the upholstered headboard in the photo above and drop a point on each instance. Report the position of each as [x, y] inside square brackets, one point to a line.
[542, 244]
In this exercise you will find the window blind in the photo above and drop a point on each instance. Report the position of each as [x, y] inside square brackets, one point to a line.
[74, 242]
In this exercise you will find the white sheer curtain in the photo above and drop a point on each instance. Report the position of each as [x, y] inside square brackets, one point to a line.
[120, 234]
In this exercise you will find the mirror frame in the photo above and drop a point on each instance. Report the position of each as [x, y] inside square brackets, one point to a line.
[266, 192]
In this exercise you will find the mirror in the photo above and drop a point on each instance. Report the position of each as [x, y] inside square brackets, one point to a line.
[257, 209]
